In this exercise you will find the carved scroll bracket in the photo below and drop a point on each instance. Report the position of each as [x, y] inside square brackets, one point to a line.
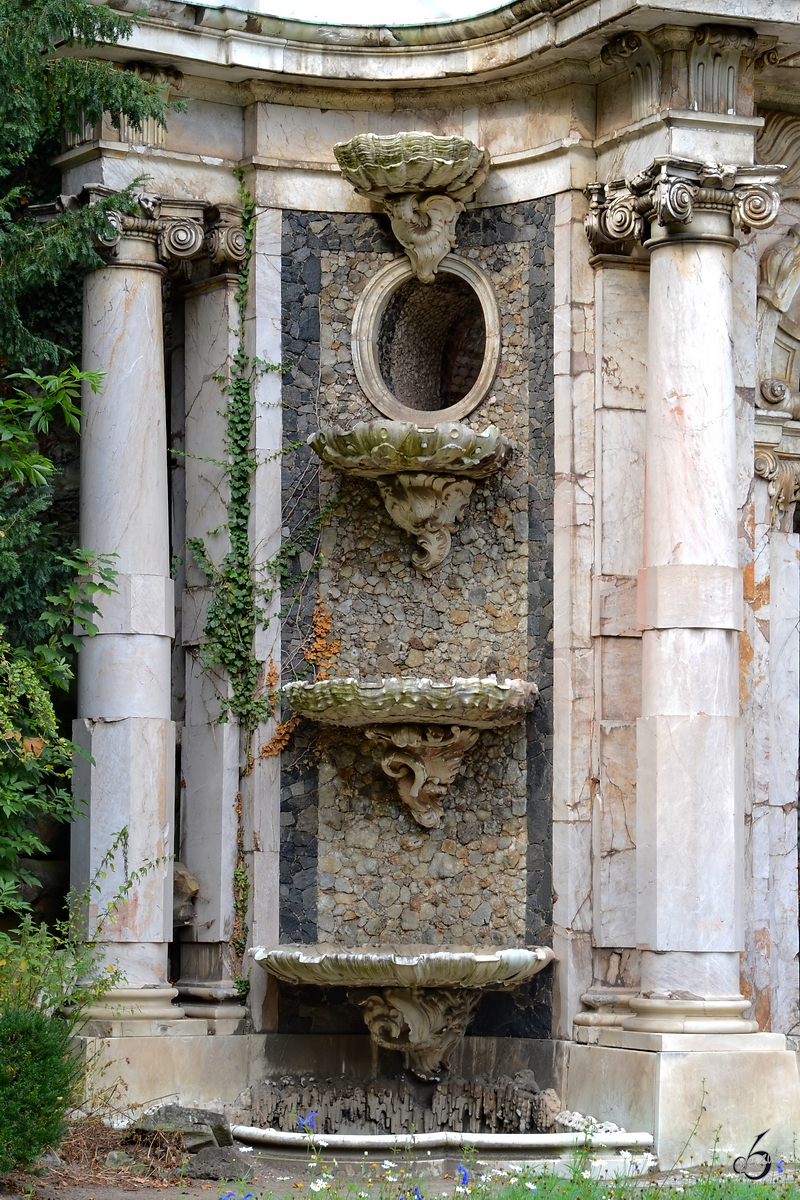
[424, 1024]
[783, 480]
[426, 503]
[424, 759]
[418, 730]
[427, 506]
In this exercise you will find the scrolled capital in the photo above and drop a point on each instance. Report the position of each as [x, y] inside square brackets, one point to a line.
[755, 206]
[180, 239]
[224, 235]
[671, 191]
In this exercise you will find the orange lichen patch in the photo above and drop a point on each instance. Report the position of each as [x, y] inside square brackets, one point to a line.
[322, 649]
[745, 665]
[761, 593]
[748, 580]
[761, 939]
[761, 1010]
[280, 738]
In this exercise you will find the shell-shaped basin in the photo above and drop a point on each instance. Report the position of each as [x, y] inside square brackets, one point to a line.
[372, 449]
[404, 966]
[477, 703]
[385, 164]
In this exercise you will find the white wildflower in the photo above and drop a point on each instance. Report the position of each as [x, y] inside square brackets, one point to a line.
[319, 1185]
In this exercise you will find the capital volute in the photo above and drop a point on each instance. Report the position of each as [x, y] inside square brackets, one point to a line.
[178, 233]
[224, 235]
[670, 192]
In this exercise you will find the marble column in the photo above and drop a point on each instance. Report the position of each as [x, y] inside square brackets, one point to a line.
[124, 671]
[690, 819]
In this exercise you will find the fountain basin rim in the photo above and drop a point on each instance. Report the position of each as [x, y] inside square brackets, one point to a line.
[474, 702]
[381, 448]
[458, 967]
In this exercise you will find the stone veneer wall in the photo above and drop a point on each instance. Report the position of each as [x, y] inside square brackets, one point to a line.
[355, 867]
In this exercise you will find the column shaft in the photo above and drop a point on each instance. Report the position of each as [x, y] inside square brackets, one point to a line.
[689, 816]
[124, 671]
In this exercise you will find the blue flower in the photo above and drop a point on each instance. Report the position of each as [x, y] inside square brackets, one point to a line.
[417, 1193]
[463, 1175]
[781, 1168]
[305, 1123]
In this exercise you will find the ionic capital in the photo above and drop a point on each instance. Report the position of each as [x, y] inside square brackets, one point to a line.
[181, 232]
[783, 481]
[671, 191]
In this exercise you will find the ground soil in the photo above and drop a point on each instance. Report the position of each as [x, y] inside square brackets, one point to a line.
[87, 1183]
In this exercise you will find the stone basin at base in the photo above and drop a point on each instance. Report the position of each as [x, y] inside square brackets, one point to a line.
[415, 999]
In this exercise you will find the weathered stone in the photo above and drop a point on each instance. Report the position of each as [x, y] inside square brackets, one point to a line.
[220, 1163]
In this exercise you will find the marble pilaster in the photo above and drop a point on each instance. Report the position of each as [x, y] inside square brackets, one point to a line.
[210, 748]
[573, 652]
[261, 786]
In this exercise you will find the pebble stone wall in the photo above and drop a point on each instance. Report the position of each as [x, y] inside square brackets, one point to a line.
[355, 867]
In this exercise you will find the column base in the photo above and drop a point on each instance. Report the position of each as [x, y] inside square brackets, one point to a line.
[138, 1012]
[670, 1015]
[220, 1008]
[662, 1083]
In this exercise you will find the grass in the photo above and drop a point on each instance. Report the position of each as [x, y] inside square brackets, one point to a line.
[478, 1180]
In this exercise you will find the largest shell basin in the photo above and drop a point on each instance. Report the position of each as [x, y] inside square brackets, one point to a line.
[477, 703]
[372, 449]
[404, 966]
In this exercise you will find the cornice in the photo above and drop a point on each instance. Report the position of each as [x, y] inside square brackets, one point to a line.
[568, 72]
[234, 45]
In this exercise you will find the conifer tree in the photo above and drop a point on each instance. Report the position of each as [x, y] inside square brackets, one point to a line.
[47, 86]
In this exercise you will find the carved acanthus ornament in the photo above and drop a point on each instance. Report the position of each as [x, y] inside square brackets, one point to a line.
[418, 731]
[425, 1026]
[670, 192]
[424, 759]
[426, 501]
[422, 182]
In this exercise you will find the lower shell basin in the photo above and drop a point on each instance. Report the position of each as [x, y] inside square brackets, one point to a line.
[404, 966]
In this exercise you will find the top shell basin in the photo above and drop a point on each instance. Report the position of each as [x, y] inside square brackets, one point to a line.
[477, 703]
[404, 966]
[417, 161]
